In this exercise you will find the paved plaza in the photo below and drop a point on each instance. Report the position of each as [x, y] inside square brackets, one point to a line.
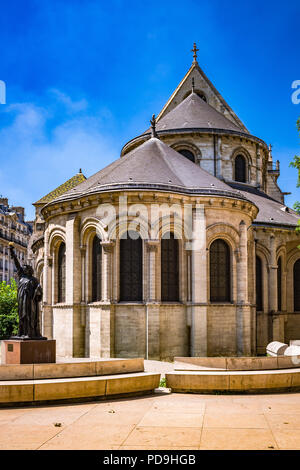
[160, 421]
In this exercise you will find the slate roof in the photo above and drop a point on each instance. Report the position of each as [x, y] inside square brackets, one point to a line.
[270, 211]
[193, 112]
[63, 188]
[155, 166]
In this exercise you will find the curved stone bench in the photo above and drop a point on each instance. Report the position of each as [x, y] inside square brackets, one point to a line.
[234, 381]
[44, 390]
[236, 363]
[71, 368]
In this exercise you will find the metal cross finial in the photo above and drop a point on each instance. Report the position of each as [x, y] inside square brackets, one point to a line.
[195, 50]
[153, 126]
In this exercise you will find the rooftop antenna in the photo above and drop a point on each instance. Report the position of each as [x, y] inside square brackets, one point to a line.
[153, 126]
[195, 50]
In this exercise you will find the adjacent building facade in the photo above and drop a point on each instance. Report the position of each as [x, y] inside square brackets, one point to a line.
[13, 228]
[182, 246]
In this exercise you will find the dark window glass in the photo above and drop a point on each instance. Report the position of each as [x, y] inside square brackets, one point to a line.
[279, 274]
[297, 286]
[259, 285]
[187, 154]
[240, 169]
[219, 271]
[61, 281]
[131, 268]
[96, 269]
[169, 269]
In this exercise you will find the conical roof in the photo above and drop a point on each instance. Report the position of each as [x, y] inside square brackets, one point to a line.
[195, 113]
[152, 166]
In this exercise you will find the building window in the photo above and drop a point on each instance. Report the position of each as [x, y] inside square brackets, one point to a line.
[96, 269]
[61, 278]
[131, 268]
[187, 154]
[259, 285]
[219, 271]
[279, 275]
[296, 286]
[169, 268]
[240, 169]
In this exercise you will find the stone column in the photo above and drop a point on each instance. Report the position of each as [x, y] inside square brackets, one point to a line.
[152, 339]
[106, 312]
[243, 311]
[273, 276]
[106, 270]
[199, 283]
[73, 313]
[83, 273]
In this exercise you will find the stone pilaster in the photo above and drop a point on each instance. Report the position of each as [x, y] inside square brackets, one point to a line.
[73, 284]
[83, 272]
[199, 284]
[273, 276]
[152, 308]
[243, 311]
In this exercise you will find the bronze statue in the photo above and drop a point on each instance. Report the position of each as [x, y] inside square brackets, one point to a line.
[29, 296]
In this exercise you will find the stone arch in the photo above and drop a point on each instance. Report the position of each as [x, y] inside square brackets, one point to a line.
[230, 235]
[292, 257]
[198, 92]
[89, 227]
[186, 145]
[56, 236]
[244, 152]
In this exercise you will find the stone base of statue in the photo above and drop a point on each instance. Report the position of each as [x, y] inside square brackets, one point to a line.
[28, 351]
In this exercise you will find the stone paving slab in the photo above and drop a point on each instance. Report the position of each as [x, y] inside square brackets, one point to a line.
[162, 421]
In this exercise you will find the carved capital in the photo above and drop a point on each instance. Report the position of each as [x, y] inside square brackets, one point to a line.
[152, 245]
[107, 245]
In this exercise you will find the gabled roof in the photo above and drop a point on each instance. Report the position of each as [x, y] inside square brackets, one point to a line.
[63, 188]
[195, 72]
[152, 166]
[192, 113]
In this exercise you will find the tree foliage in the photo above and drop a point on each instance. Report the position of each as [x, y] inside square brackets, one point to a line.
[9, 319]
[295, 163]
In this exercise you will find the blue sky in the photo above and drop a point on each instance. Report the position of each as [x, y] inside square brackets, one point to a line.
[84, 77]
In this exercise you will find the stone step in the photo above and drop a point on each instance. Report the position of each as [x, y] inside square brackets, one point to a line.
[34, 391]
[71, 368]
[283, 380]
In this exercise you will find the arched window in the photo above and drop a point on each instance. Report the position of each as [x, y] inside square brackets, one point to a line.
[220, 271]
[297, 286]
[131, 267]
[96, 269]
[169, 268]
[259, 285]
[61, 273]
[279, 274]
[187, 154]
[240, 169]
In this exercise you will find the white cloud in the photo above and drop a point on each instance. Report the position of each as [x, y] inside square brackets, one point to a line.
[37, 155]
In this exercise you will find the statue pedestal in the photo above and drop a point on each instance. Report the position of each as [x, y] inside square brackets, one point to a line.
[29, 351]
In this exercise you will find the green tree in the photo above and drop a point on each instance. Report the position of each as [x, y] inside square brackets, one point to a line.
[295, 163]
[9, 319]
